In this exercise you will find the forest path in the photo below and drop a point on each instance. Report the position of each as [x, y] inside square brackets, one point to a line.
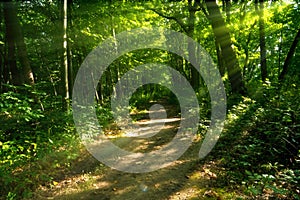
[185, 178]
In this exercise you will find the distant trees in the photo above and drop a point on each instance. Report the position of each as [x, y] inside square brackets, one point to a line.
[188, 28]
[59, 35]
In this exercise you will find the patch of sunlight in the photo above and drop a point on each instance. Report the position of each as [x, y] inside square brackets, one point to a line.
[83, 182]
[187, 193]
[288, 1]
[195, 193]
[154, 121]
[120, 191]
[136, 111]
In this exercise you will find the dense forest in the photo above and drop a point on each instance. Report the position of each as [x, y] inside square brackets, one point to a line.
[254, 46]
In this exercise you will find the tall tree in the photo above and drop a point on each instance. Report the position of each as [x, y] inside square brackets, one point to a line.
[221, 63]
[192, 8]
[11, 63]
[259, 6]
[289, 56]
[222, 37]
[16, 47]
[69, 47]
[64, 60]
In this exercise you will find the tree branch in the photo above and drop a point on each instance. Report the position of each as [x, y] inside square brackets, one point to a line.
[289, 56]
[202, 8]
[179, 21]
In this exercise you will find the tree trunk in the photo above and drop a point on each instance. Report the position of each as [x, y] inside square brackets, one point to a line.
[289, 56]
[262, 40]
[64, 60]
[221, 63]
[192, 52]
[15, 39]
[226, 7]
[108, 84]
[194, 73]
[69, 47]
[11, 59]
[116, 67]
[222, 37]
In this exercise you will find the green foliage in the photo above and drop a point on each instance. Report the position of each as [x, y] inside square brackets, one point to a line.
[28, 134]
[264, 134]
[282, 185]
[104, 115]
[143, 97]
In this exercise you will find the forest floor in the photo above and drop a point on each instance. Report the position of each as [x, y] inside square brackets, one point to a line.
[186, 178]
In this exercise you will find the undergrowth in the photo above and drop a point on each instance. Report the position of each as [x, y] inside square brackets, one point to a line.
[262, 143]
[259, 148]
[29, 139]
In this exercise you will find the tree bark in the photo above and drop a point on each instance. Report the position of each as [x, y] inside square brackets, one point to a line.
[69, 47]
[262, 40]
[195, 77]
[15, 40]
[64, 58]
[221, 63]
[289, 56]
[11, 60]
[222, 37]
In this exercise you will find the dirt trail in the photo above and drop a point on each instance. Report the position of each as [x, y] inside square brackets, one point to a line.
[186, 178]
